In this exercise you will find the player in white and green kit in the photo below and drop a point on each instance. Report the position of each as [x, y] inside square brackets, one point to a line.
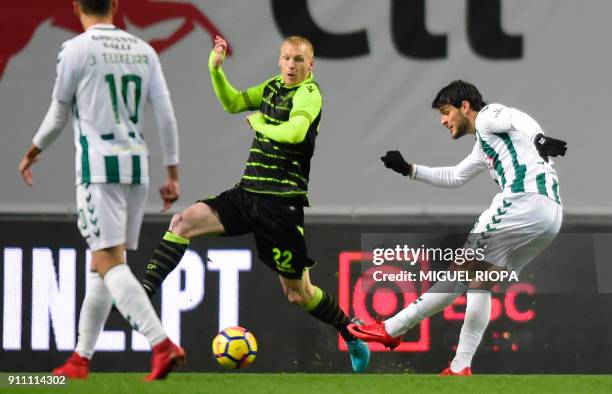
[523, 219]
[106, 76]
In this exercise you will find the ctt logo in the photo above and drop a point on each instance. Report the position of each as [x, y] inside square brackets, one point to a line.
[20, 19]
[48, 304]
[409, 32]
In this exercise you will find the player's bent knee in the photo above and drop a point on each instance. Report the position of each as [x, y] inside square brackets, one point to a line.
[174, 222]
[179, 226]
[295, 297]
[186, 222]
[198, 219]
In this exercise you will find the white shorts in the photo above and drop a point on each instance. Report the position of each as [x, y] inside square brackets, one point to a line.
[515, 229]
[110, 214]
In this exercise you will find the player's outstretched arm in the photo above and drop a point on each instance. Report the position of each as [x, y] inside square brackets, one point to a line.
[455, 176]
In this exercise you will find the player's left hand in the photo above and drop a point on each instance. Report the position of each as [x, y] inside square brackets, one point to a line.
[169, 193]
[548, 146]
[29, 158]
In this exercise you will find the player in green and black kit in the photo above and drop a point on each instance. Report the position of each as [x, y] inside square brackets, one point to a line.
[269, 199]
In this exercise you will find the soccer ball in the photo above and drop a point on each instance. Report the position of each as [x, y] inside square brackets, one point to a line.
[234, 347]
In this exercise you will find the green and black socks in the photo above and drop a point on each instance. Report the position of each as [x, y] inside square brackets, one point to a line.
[165, 258]
[325, 308]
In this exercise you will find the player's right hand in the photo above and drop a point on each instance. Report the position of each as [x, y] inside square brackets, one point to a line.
[393, 159]
[30, 157]
[220, 49]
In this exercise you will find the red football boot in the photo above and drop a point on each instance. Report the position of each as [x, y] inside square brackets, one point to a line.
[375, 332]
[76, 367]
[165, 358]
[467, 371]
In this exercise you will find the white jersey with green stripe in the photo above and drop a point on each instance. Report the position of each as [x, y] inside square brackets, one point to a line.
[108, 75]
[505, 137]
[504, 145]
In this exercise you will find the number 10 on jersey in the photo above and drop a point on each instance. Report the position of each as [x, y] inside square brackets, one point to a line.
[130, 95]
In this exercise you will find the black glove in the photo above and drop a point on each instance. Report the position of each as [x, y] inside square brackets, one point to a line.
[547, 146]
[394, 160]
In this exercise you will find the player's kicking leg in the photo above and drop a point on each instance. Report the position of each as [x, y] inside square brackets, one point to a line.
[390, 332]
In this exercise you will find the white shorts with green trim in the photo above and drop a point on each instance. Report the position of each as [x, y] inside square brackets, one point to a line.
[515, 229]
[110, 214]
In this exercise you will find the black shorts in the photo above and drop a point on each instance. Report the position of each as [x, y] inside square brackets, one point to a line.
[278, 227]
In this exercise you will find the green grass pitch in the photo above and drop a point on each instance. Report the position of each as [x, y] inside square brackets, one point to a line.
[225, 383]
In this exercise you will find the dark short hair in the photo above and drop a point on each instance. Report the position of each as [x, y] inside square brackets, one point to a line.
[455, 93]
[95, 7]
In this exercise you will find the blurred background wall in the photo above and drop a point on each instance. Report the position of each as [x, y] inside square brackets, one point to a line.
[379, 65]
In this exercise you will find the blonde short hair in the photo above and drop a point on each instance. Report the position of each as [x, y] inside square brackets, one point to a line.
[299, 40]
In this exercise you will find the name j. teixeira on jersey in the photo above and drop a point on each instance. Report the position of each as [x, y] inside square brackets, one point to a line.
[119, 58]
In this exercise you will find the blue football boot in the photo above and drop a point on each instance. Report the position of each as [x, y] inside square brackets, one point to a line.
[359, 352]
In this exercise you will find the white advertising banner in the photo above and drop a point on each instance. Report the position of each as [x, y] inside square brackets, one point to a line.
[379, 65]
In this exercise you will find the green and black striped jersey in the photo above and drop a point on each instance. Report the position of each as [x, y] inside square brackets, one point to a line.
[286, 128]
[278, 168]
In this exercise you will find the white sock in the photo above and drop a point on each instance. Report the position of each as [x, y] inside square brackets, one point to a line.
[477, 315]
[94, 312]
[438, 297]
[132, 301]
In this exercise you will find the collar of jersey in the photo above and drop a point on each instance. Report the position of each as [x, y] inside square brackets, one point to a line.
[103, 26]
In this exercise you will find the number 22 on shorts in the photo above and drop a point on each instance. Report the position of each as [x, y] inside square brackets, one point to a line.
[283, 259]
